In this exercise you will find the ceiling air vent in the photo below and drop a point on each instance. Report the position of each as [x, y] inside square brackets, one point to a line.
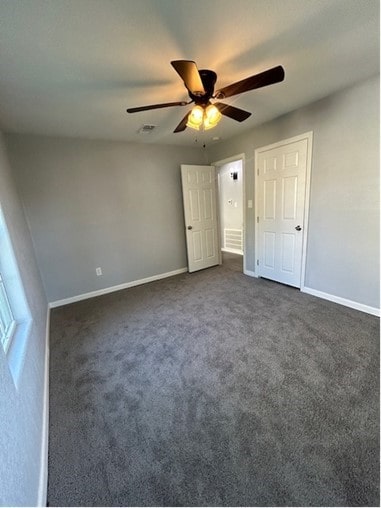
[147, 128]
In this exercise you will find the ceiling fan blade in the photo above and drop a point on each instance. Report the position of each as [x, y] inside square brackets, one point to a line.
[156, 106]
[269, 77]
[188, 72]
[232, 112]
[183, 124]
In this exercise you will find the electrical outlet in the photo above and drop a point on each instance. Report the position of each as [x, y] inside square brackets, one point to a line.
[98, 271]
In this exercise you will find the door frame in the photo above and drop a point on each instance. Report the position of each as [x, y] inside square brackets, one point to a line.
[218, 164]
[309, 137]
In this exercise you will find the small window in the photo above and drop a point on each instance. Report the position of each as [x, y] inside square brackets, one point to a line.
[15, 318]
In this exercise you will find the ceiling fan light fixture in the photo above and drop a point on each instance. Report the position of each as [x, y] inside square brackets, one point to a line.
[207, 118]
[212, 117]
[195, 118]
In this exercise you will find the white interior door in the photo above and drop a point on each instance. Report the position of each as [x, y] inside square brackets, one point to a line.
[200, 212]
[281, 198]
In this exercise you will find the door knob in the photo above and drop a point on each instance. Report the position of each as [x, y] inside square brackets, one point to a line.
[190, 227]
[298, 228]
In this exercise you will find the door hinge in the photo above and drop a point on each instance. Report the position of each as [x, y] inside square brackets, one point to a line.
[257, 262]
[257, 220]
[258, 171]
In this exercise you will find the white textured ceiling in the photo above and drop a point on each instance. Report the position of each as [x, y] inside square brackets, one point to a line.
[72, 67]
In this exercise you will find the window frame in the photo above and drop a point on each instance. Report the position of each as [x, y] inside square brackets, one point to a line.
[7, 329]
[17, 329]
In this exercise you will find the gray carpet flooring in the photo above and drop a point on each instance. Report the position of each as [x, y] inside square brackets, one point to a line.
[213, 389]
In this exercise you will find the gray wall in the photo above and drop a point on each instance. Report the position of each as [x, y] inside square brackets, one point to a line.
[343, 241]
[21, 408]
[104, 204]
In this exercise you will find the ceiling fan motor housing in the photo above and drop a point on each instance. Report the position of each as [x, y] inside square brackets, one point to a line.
[208, 79]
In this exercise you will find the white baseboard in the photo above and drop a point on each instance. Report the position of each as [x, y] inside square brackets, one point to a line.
[43, 481]
[250, 273]
[342, 301]
[111, 289]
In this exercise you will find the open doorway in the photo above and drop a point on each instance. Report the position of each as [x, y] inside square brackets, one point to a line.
[230, 173]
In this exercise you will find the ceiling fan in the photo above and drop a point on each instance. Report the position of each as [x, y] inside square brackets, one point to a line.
[200, 87]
